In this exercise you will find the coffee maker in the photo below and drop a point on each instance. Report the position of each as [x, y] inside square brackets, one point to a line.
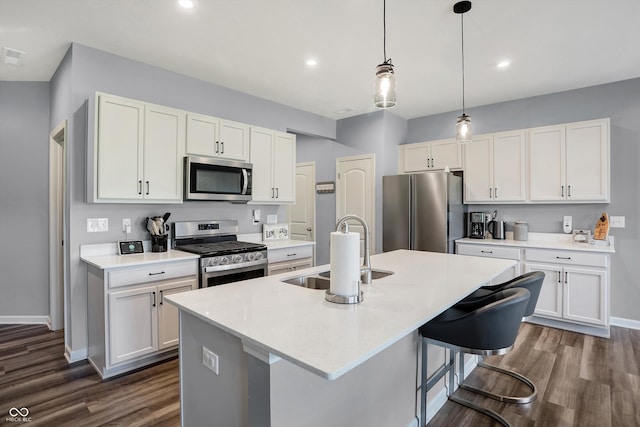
[477, 225]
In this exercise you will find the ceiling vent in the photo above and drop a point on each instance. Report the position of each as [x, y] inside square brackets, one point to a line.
[11, 56]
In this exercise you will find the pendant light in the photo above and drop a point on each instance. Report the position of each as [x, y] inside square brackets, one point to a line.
[463, 124]
[385, 81]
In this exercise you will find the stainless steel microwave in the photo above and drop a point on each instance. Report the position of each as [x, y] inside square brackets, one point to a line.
[207, 178]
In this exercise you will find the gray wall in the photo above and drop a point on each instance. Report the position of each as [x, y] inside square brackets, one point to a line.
[85, 71]
[24, 198]
[621, 102]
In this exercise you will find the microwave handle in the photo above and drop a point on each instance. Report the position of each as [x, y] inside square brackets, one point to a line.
[245, 180]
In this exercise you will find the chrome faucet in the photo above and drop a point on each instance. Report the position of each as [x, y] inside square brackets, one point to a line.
[365, 270]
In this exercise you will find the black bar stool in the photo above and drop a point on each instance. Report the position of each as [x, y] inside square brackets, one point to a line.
[487, 326]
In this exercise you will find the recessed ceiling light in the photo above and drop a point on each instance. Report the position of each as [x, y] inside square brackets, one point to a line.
[311, 62]
[504, 63]
[187, 4]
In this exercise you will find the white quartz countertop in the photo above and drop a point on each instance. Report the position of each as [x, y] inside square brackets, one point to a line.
[104, 262]
[546, 241]
[278, 244]
[330, 339]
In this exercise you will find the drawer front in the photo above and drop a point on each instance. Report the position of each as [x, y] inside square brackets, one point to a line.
[289, 254]
[151, 273]
[489, 251]
[567, 257]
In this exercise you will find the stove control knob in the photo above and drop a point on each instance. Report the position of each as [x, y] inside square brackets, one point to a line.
[237, 259]
[259, 256]
[224, 260]
[251, 256]
[213, 261]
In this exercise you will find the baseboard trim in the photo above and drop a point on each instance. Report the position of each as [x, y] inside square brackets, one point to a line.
[24, 320]
[73, 356]
[625, 323]
[598, 331]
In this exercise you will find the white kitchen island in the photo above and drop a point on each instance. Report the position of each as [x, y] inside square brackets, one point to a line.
[287, 357]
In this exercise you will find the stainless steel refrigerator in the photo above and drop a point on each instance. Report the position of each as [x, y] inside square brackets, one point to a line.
[422, 211]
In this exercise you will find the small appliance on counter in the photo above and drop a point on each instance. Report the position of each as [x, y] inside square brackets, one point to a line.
[520, 230]
[477, 225]
[159, 228]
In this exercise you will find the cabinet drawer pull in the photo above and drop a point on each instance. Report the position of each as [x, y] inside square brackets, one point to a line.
[486, 252]
[294, 254]
[155, 274]
[563, 257]
[154, 299]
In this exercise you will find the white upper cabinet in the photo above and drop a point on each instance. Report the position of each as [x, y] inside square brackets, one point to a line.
[495, 168]
[273, 155]
[213, 137]
[138, 151]
[430, 156]
[570, 162]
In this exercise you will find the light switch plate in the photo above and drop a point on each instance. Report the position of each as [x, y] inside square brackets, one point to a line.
[97, 225]
[616, 221]
[210, 360]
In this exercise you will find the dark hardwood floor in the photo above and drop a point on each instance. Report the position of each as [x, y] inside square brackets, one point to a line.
[582, 381]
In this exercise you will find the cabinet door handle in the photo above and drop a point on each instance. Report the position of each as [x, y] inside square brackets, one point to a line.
[273, 193]
[161, 297]
[568, 191]
[217, 146]
[155, 274]
[139, 187]
[486, 252]
[154, 299]
[277, 192]
[565, 277]
[490, 192]
[563, 257]
[222, 147]
[495, 192]
[559, 277]
[148, 186]
[562, 191]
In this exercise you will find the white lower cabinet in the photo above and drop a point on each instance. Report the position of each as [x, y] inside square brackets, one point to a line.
[575, 291]
[130, 324]
[571, 291]
[494, 252]
[283, 260]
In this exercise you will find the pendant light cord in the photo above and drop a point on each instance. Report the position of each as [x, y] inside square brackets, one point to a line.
[462, 25]
[384, 29]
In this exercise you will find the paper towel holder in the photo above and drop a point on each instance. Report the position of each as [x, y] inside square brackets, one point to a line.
[345, 299]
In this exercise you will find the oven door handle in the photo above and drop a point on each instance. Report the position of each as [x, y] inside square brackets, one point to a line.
[226, 267]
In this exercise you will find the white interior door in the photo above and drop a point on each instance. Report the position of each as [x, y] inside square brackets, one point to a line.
[302, 215]
[355, 192]
[56, 226]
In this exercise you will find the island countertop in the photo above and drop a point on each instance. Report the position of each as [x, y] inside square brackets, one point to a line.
[328, 339]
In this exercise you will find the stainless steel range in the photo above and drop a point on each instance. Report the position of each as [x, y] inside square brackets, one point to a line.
[223, 259]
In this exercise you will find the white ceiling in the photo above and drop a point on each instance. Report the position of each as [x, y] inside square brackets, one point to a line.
[260, 46]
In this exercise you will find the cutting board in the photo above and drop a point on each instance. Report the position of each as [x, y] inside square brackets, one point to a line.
[602, 227]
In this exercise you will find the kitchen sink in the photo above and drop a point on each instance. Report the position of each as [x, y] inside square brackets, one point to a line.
[321, 280]
[375, 274]
[311, 282]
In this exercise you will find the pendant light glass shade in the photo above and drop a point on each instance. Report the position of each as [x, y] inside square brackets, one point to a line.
[463, 129]
[385, 86]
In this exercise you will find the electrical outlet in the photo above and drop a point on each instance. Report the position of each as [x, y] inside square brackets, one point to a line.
[210, 360]
[616, 221]
[97, 225]
[126, 222]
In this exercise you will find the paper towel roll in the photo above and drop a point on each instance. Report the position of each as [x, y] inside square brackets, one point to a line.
[345, 263]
